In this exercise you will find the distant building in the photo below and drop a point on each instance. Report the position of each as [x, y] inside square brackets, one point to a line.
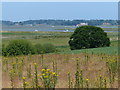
[36, 30]
[106, 23]
[29, 24]
[17, 24]
[82, 24]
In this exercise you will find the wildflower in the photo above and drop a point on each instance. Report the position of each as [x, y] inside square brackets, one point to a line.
[38, 75]
[104, 77]
[53, 73]
[39, 86]
[24, 78]
[11, 71]
[48, 70]
[35, 63]
[43, 69]
[19, 62]
[26, 82]
[87, 79]
[43, 74]
[77, 58]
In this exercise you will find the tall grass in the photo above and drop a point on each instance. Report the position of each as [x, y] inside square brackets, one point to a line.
[32, 73]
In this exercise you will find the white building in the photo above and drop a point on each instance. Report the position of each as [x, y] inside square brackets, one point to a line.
[106, 23]
[82, 24]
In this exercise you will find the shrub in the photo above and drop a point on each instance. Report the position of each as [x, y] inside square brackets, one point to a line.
[49, 48]
[39, 49]
[88, 37]
[4, 52]
[19, 47]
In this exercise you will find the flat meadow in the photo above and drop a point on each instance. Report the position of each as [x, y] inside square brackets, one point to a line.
[85, 68]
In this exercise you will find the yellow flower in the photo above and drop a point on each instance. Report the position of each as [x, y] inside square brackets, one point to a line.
[24, 78]
[87, 79]
[26, 82]
[53, 73]
[77, 58]
[45, 76]
[11, 71]
[19, 62]
[38, 75]
[48, 70]
[35, 63]
[39, 86]
[43, 69]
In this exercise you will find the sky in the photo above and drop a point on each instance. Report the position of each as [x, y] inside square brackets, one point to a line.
[22, 11]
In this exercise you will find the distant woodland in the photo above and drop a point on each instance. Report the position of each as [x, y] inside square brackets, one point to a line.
[62, 22]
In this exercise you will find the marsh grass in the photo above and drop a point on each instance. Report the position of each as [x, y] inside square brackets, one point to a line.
[79, 76]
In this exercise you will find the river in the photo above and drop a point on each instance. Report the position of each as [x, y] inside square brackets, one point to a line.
[46, 28]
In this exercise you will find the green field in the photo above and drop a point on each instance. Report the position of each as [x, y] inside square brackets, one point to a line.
[59, 39]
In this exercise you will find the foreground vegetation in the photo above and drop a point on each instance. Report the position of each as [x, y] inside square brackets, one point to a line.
[85, 68]
[61, 71]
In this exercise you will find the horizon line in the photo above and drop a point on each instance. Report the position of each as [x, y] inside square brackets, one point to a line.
[58, 19]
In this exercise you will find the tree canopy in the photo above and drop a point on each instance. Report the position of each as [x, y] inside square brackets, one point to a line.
[88, 37]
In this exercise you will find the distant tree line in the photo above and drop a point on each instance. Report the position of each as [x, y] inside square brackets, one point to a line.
[61, 22]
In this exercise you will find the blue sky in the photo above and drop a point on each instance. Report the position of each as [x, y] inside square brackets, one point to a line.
[21, 11]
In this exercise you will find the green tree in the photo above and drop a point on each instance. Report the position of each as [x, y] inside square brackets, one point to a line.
[88, 37]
